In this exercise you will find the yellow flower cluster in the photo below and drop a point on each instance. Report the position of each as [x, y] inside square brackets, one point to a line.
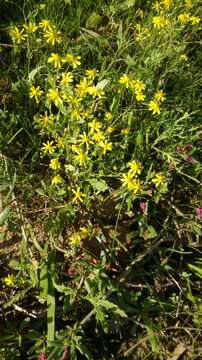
[154, 105]
[185, 18]
[137, 86]
[130, 179]
[49, 32]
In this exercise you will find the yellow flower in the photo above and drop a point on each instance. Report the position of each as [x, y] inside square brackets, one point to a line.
[195, 20]
[84, 232]
[52, 36]
[78, 195]
[17, 35]
[80, 157]
[94, 126]
[106, 146]
[125, 80]
[46, 119]
[184, 18]
[188, 3]
[135, 167]
[167, 4]
[158, 180]
[55, 164]
[82, 87]
[66, 78]
[98, 136]
[136, 186]
[9, 280]
[125, 131]
[157, 6]
[31, 27]
[76, 114]
[159, 21]
[48, 147]
[95, 91]
[84, 139]
[75, 239]
[56, 59]
[56, 180]
[54, 95]
[140, 96]
[154, 107]
[183, 57]
[138, 85]
[108, 116]
[45, 24]
[127, 180]
[110, 129]
[160, 96]
[35, 92]
[91, 73]
[60, 142]
[72, 60]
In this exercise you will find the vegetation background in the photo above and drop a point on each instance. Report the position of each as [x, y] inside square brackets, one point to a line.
[100, 212]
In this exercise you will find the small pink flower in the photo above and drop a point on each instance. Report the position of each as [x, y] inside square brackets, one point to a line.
[199, 212]
[143, 206]
[189, 159]
[42, 356]
[186, 148]
[178, 149]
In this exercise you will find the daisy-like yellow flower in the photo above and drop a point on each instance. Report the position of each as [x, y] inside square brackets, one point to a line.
[106, 146]
[35, 92]
[95, 91]
[10, 280]
[195, 20]
[55, 164]
[60, 142]
[80, 156]
[184, 18]
[46, 119]
[188, 3]
[91, 73]
[108, 116]
[125, 131]
[110, 129]
[67, 78]
[159, 21]
[54, 95]
[136, 186]
[31, 27]
[140, 96]
[52, 36]
[137, 85]
[98, 136]
[94, 126]
[78, 195]
[56, 59]
[45, 24]
[84, 232]
[75, 239]
[167, 4]
[73, 60]
[17, 35]
[125, 80]
[158, 180]
[160, 96]
[127, 180]
[84, 139]
[76, 114]
[135, 167]
[157, 6]
[56, 180]
[82, 87]
[48, 147]
[154, 106]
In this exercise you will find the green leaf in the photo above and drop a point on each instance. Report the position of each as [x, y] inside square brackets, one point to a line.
[4, 216]
[108, 305]
[154, 341]
[43, 284]
[51, 298]
[93, 20]
[196, 269]
[98, 185]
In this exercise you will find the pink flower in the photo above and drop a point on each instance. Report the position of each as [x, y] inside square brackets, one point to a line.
[186, 148]
[42, 356]
[143, 206]
[189, 159]
[199, 212]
